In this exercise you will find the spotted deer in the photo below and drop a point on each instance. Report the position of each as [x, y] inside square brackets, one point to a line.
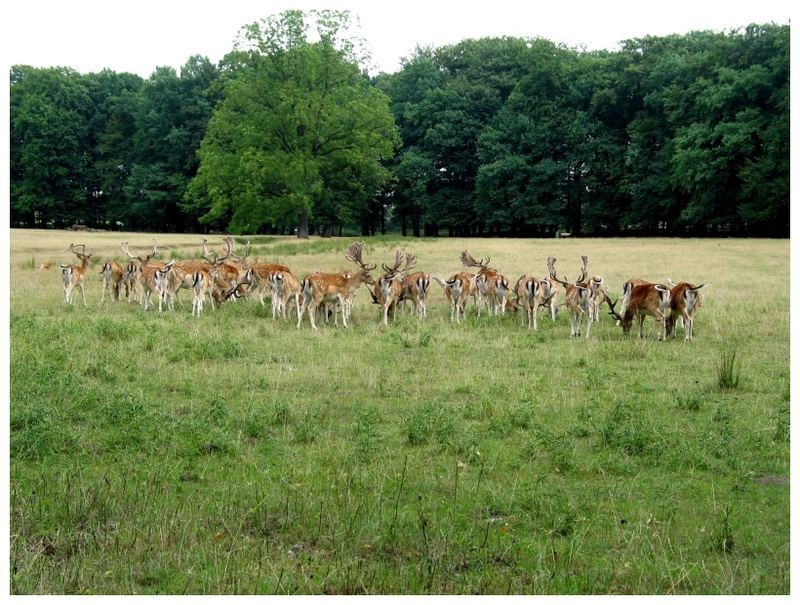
[74, 276]
[491, 286]
[392, 287]
[144, 273]
[318, 288]
[578, 299]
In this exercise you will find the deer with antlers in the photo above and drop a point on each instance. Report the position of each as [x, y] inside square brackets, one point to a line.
[578, 299]
[319, 288]
[74, 276]
[639, 301]
[491, 286]
[684, 302]
[392, 287]
[113, 281]
[458, 288]
[144, 274]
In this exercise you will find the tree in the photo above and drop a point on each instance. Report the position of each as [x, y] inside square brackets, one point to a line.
[50, 110]
[295, 117]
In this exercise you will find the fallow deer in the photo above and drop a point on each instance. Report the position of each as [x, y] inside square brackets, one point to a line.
[319, 288]
[490, 285]
[532, 293]
[391, 287]
[684, 302]
[417, 284]
[642, 300]
[74, 276]
[145, 273]
[578, 299]
[457, 289]
[113, 280]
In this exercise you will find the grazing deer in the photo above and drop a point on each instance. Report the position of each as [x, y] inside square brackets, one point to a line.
[113, 280]
[392, 287]
[145, 273]
[319, 288]
[533, 293]
[578, 299]
[457, 289]
[490, 285]
[684, 302]
[639, 301]
[74, 276]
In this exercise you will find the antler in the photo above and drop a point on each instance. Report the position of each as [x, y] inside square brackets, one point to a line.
[398, 260]
[411, 261]
[124, 247]
[584, 269]
[612, 311]
[228, 248]
[468, 261]
[207, 253]
[353, 254]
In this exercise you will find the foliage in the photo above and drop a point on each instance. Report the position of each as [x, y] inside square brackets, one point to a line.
[673, 135]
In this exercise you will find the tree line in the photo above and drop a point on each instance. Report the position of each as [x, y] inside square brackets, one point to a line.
[675, 135]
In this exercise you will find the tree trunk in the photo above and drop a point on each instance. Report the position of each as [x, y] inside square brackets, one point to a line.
[302, 225]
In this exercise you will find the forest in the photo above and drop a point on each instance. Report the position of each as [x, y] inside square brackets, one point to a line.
[682, 135]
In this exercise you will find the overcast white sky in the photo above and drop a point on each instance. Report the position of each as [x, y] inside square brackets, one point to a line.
[138, 35]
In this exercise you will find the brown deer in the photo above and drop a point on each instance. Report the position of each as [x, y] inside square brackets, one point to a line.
[457, 289]
[391, 287]
[578, 299]
[417, 284]
[74, 276]
[318, 288]
[642, 300]
[532, 293]
[684, 301]
[113, 280]
[491, 286]
[285, 286]
[145, 273]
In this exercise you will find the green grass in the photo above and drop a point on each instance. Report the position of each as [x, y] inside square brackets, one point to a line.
[234, 454]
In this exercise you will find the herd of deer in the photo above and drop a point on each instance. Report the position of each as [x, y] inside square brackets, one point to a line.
[220, 278]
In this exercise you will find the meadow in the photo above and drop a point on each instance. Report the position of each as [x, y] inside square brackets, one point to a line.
[233, 454]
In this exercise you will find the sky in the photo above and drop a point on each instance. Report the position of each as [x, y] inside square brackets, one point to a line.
[140, 35]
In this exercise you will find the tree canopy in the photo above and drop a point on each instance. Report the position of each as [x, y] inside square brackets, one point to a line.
[680, 134]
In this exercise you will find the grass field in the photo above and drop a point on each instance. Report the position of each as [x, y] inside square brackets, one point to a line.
[236, 454]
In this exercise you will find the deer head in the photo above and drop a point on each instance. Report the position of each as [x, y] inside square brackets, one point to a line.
[468, 261]
[124, 247]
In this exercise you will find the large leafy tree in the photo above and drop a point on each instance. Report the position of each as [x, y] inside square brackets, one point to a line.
[300, 131]
[50, 142]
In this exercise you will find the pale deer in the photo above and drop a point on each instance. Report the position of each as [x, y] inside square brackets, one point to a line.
[685, 300]
[639, 302]
[319, 288]
[491, 286]
[113, 280]
[202, 288]
[74, 276]
[458, 288]
[145, 274]
[578, 299]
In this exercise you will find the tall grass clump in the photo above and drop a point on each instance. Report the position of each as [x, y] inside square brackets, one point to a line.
[729, 369]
